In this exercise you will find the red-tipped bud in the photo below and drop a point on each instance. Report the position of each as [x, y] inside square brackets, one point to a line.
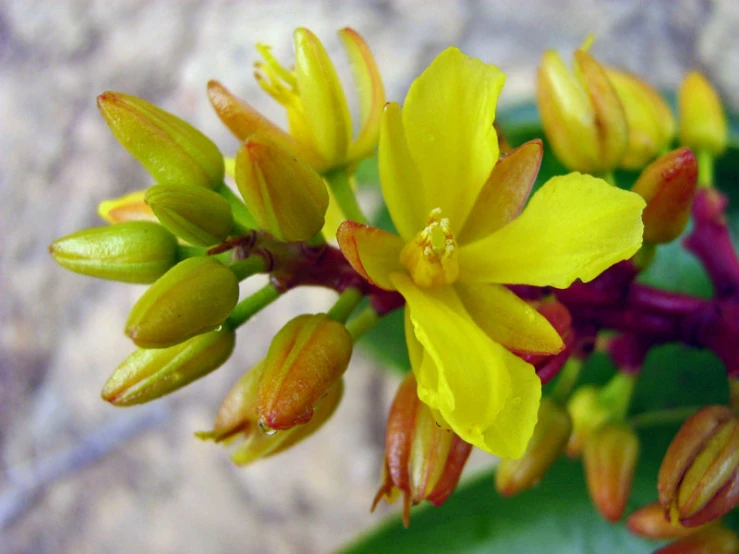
[422, 460]
[649, 521]
[610, 458]
[699, 478]
[306, 357]
[547, 443]
[712, 540]
[668, 186]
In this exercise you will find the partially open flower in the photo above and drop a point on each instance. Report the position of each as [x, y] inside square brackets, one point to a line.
[714, 539]
[649, 521]
[130, 207]
[422, 460]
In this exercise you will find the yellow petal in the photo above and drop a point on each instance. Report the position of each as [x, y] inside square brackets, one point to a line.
[399, 176]
[325, 107]
[488, 396]
[130, 207]
[371, 93]
[448, 118]
[372, 252]
[508, 320]
[575, 227]
[505, 192]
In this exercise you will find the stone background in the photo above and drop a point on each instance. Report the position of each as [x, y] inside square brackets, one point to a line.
[79, 476]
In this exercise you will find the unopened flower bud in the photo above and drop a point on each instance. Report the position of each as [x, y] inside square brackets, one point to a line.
[194, 214]
[581, 113]
[610, 458]
[650, 122]
[238, 418]
[130, 207]
[714, 539]
[422, 460]
[587, 413]
[150, 373]
[195, 296]
[284, 194]
[548, 441]
[702, 120]
[132, 252]
[668, 186]
[306, 357]
[171, 150]
[699, 477]
[649, 521]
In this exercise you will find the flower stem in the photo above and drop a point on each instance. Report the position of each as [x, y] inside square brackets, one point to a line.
[568, 376]
[662, 417]
[616, 394]
[252, 304]
[365, 320]
[705, 169]
[609, 178]
[243, 220]
[338, 182]
[248, 267]
[345, 305]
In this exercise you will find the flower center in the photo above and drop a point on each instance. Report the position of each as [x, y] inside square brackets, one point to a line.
[431, 256]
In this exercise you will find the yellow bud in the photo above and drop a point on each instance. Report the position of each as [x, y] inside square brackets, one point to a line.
[132, 252]
[148, 374]
[130, 207]
[587, 413]
[284, 194]
[194, 214]
[171, 150]
[306, 357]
[195, 296]
[702, 120]
[650, 121]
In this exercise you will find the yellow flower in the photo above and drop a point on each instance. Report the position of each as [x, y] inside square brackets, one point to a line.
[318, 116]
[460, 240]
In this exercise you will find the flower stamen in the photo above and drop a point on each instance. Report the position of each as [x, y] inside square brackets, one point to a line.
[431, 256]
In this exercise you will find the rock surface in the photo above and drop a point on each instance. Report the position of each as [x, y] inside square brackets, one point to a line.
[80, 476]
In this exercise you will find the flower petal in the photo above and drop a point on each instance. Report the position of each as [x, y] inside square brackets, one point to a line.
[372, 252]
[399, 177]
[505, 193]
[508, 320]
[488, 396]
[575, 227]
[448, 118]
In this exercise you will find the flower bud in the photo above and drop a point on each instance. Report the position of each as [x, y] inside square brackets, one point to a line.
[547, 443]
[714, 539]
[422, 460]
[668, 186]
[649, 521]
[587, 413]
[610, 458]
[306, 357]
[284, 194]
[193, 297]
[132, 252]
[238, 418]
[194, 214]
[171, 150]
[699, 477]
[581, 113]
[651, 125]
[702, 120]
[148, 374]
[130, 207]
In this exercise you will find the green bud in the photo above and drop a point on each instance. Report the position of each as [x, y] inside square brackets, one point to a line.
[132, 252]
[195, 214]
[150, 373]
[171, 150]
[195, 296]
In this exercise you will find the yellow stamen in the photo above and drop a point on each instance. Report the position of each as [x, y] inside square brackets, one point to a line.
[431, 256]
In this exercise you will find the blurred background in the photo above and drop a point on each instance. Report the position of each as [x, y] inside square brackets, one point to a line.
[80, 476]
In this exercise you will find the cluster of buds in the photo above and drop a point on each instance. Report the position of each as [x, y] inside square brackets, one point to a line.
[193, 239]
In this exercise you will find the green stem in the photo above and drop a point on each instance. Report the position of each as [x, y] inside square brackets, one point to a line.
[662, 417]
[243, 220]
[365, 320]
[252, 304]
[318, 240]
[185, 251]
[338, 182]
[609, 178]
[616, 394]
[345, 305]
[645, 256]
[568, 376]
[248, 267]
[705, 169]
